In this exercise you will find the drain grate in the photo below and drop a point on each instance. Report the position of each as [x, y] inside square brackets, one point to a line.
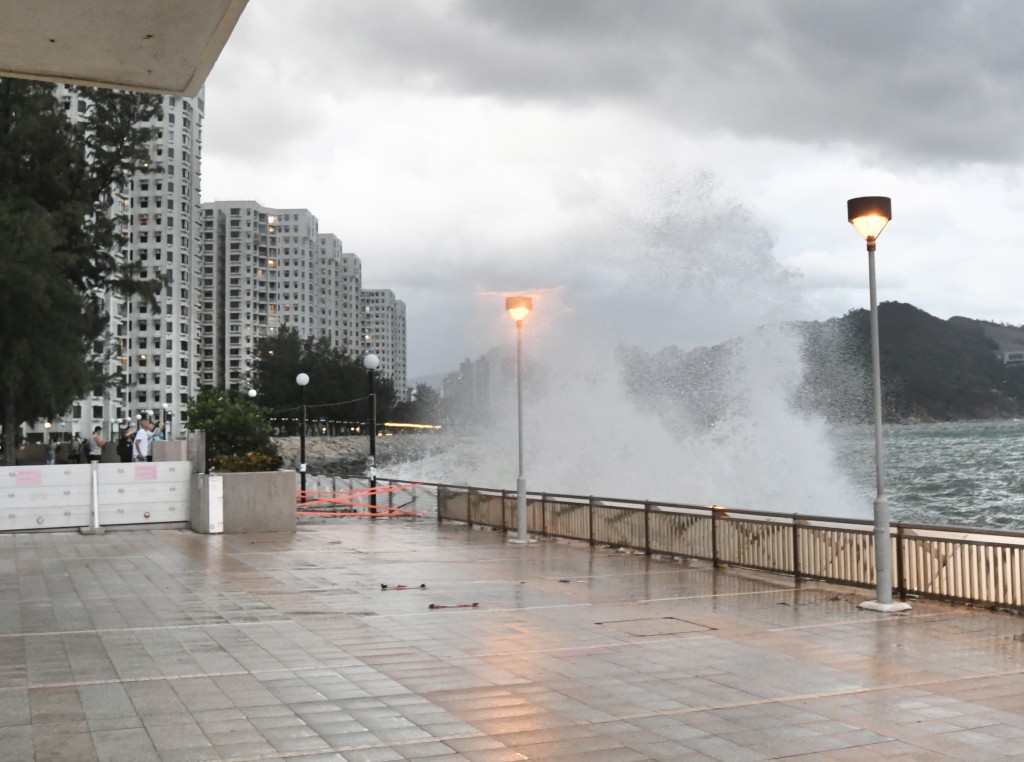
[666, 625]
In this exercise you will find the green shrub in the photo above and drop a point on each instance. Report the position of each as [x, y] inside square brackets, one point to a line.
[237, 431]
[249, 461]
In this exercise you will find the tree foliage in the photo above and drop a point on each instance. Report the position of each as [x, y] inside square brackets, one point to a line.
[59, 238]
[338, 385]
[426, 406]
[237, 431]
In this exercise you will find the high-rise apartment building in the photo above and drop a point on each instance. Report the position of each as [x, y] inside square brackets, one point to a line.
[266, 268]
[155, 350]
[339, 298]
[384, 334]
[160, 360]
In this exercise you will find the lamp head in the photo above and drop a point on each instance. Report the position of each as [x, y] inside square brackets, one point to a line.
[302, 379]
[870, 215]
[371, 362]
[252, 394]
[518, 307]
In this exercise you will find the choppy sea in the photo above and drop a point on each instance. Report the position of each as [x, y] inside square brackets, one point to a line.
[964, 474]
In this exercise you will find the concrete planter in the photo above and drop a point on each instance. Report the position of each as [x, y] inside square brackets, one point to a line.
[240, 503]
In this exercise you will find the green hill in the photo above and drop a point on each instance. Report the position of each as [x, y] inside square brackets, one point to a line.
[932, 370]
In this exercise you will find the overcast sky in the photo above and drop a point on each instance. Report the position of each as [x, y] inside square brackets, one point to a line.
[634, 163]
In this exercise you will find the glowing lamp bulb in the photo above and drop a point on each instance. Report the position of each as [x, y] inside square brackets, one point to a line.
[518, 307]
[869, 215]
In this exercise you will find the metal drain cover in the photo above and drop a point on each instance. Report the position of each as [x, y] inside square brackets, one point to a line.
[666, 625]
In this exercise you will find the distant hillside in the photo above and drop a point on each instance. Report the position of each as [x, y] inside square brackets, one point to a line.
[932, 369]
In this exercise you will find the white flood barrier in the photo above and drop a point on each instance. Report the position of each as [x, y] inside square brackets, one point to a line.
[91, 496]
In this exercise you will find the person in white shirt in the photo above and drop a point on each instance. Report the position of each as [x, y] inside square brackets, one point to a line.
[141, 448]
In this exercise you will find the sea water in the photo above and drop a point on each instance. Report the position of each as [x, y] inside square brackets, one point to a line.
[962, 474]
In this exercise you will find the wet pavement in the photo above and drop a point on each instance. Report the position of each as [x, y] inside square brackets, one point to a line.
[169, 645]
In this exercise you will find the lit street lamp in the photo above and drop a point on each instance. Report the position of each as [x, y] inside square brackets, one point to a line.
[519, 307]
[168, 417]
[869, 215]
[302, 379]
[371, 362]
[252, 394]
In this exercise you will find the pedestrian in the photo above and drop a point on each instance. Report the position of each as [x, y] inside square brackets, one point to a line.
[75, 449]
[141, 447]
[124, 445]
[51, 451]
[95, 445]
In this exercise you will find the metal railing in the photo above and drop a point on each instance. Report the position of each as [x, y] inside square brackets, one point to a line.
[945, 563]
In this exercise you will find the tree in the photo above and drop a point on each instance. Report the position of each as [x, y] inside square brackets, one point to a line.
[426, 406]
[237, 431]
[58, 240]
[338, 386]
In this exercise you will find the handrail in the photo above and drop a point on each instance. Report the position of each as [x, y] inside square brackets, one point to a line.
[964, 564]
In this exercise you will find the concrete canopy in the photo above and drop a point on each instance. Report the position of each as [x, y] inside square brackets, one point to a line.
[164, 46]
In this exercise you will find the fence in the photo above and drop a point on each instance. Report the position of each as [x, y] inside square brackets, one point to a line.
[412, 496]
[967, 565]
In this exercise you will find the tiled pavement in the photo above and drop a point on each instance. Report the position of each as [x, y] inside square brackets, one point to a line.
[169, 645]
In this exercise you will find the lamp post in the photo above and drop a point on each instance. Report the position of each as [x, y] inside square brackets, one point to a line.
[519, 307]
[168, 415]
[302, 379]
[869, 215]
[371, 362]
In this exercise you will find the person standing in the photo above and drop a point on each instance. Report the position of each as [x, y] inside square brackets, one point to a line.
[75, 449]
[94, 449]
[141, 448]
[124, 445]
[51, 451]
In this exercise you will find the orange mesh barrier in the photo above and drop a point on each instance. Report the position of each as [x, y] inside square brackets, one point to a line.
[312, 503]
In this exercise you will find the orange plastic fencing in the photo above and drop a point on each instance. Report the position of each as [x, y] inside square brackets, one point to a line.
[354, 502]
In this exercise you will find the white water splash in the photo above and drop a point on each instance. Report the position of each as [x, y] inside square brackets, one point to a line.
[691, 270]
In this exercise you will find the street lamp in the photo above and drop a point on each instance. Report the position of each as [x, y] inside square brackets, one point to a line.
[302, 379]
[371, 362]
[869, 215]
[252, 394]
[519, 307]
[168, 416]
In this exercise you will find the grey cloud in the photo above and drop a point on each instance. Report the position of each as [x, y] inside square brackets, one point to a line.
[935, 79]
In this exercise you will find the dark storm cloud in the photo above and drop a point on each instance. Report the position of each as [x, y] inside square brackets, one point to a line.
[934, 80]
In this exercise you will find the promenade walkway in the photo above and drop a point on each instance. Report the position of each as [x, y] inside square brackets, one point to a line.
[169, 645]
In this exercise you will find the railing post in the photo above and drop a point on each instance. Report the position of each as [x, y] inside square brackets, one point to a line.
[469, 507]
[714, 537]
[796, 547]
[441, 501]
[504, 501]
[647, 527]
[544, 513]
[901, 582]
[590, 519]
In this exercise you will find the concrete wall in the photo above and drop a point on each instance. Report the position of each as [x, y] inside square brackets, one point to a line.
[34, 454]
[170, 449]
[244, 502]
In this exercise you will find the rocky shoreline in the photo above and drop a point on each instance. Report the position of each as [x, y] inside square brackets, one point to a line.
[346, 456]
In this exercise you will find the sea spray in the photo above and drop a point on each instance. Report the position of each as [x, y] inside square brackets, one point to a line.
[603, 416]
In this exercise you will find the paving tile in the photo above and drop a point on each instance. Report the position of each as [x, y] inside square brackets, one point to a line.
[16, 743]
[116, 745]
[272, 647]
